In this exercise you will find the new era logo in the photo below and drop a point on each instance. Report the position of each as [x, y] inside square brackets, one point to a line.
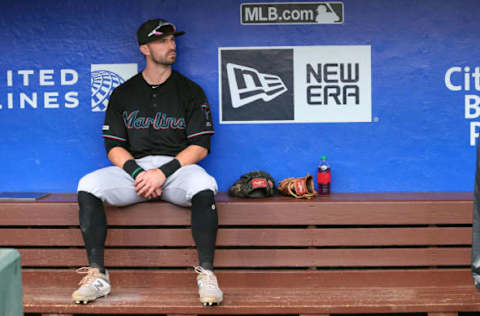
[256, 84]
[248, 85]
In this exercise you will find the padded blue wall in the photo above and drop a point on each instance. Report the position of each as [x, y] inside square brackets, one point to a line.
[418, 140]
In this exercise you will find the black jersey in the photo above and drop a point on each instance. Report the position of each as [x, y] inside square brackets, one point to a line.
[157, 120]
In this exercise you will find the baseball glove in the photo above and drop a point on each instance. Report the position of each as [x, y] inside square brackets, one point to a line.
[300, 188]
[255, 184]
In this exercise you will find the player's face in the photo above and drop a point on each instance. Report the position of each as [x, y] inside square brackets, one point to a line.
[163, 51]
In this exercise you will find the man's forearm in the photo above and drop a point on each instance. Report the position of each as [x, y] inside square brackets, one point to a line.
[118, 156]
[149, 183]
[191, 155]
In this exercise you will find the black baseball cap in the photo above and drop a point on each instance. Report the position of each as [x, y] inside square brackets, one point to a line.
[156, 29]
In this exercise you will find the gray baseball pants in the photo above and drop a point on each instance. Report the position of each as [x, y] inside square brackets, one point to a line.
[115, 187]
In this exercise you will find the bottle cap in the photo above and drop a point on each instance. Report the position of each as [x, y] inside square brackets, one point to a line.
[324, 157]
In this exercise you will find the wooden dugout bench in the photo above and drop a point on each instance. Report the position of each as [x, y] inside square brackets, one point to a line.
[346, 253]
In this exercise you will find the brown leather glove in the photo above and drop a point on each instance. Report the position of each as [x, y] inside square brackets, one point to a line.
[300, 188]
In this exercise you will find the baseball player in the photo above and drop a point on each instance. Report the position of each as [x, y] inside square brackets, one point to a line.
[157, 127]
[475, 263]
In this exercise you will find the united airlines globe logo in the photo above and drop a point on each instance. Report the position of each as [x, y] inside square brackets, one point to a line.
[105, 78]
[103, 82]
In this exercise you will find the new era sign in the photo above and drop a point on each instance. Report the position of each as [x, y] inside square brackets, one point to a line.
[295, 84]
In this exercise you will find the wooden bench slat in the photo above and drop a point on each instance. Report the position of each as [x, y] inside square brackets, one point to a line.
[265, 278]
[265, 300]
[369, 196]
[367, 291]
[256, 257]
[272, 213]
[244, 290]
[352, 213]
[246, 237]
[334, 210]
[393, 236]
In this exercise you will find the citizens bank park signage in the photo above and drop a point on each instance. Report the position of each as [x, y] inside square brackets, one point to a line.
[297, 84]
[466, 80]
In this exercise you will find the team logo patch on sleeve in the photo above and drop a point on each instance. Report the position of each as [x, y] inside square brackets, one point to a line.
[206, 111]
[106, 128]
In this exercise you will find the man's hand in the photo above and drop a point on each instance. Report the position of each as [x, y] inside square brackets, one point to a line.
[148, 184]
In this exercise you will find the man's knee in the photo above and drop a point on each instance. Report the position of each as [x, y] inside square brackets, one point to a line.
[204, 211]
[88, 184]
[93, 183]
[205, 197]
[204, 203]
[201, 183]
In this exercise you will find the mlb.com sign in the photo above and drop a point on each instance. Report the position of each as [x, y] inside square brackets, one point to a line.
[292, 13]
[295, 84]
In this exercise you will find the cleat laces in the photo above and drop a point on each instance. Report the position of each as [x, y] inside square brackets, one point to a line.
[207, 279]
[91, 275]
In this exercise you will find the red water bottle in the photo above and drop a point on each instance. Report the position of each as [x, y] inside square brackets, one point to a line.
[323, 177]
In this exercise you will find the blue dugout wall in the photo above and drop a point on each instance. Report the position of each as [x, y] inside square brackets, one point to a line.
[417, 130]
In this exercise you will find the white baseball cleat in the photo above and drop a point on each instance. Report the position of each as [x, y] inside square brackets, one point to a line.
[94, 285]
[208, 289]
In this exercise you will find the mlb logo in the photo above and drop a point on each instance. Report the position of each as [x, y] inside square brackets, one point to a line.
[256, 85]
[105, 78]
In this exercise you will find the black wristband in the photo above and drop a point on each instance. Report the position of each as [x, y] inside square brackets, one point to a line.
[132, 168]
[170, 167]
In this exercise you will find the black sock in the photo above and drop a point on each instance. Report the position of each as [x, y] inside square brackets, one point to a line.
[204, 226]
[93, 224]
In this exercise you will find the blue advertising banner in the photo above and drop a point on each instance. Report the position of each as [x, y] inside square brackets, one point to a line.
[387, 90]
